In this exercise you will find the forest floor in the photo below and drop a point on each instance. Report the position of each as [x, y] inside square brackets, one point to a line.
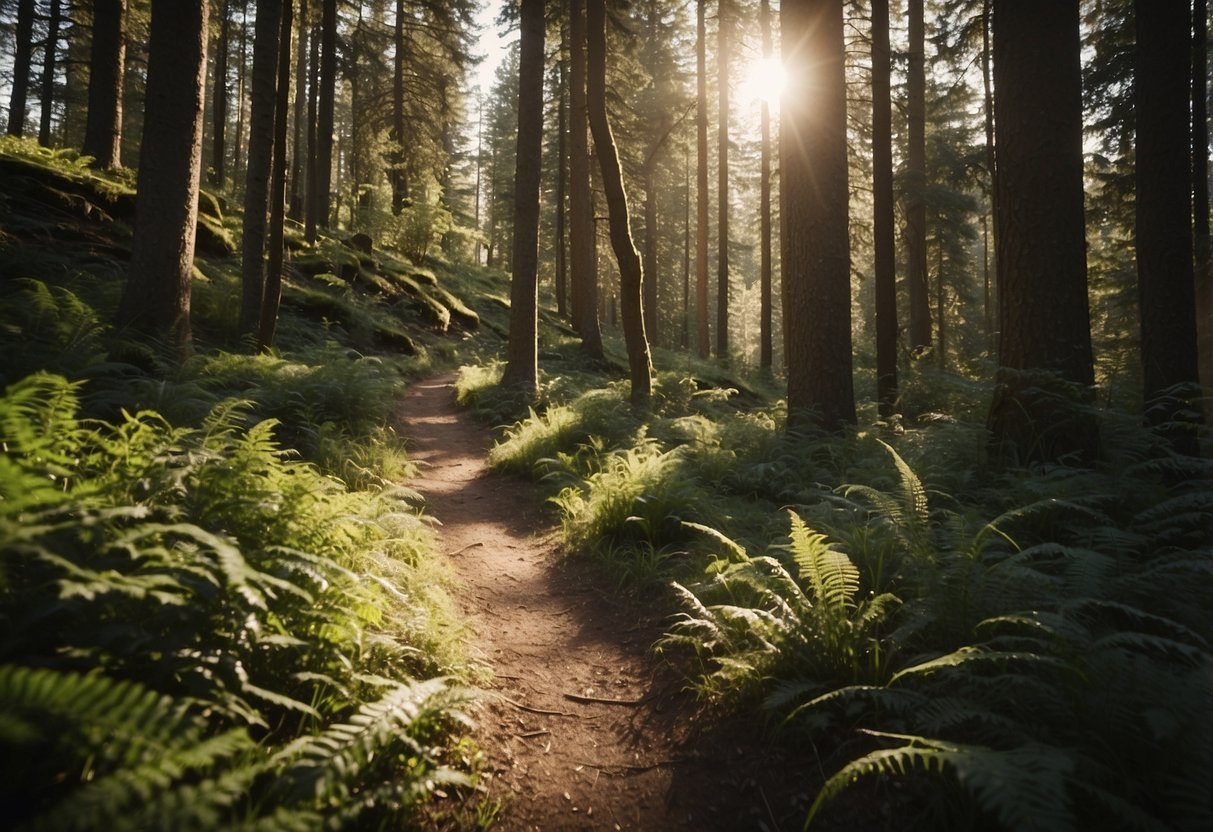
[581, 726]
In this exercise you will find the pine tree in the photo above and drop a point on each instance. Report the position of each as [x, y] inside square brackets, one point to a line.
[582, 254]
[103, 130]
[50, 51]
[882, 210]
[21, 68]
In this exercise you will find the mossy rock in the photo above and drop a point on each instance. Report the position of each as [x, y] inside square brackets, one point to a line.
[396, 340]
[209, 205]
[212, 238]
[461, 315]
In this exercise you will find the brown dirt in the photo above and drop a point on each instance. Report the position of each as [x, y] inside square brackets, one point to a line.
[556, 644]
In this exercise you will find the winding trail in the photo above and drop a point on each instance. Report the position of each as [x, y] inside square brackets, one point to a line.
[558, 756]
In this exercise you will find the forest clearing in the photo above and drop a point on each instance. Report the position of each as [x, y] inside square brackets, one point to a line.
[671, 414]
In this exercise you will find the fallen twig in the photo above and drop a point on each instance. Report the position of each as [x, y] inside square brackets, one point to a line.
[464, 549]
[532, 734]
[606, 767]
[531, 710]
[598, 700]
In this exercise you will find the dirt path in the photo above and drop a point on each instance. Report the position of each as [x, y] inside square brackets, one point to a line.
[558, 757]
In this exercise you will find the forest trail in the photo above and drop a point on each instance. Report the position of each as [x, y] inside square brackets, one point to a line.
[558, 756]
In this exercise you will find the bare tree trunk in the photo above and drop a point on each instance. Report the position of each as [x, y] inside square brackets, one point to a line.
[49, 56]
[103, 128]
[1200, 196]
[325, 111]
[219, 100]
[1164, 223]
[399, 178]
[814, 198]
[722, 182]
[272, 294]
[766, 356]
[241, 74]
[650, 248]
[631, 272]
[1045, 358]
[522, 350]
[313, 169]
[156, 297]
[991, 265]
[883, 213]
[916, 185]
[21, 66]
[582, 234]
[703, 336]
[685, 341]
[562, 172]
[301, 148]
[260, 161]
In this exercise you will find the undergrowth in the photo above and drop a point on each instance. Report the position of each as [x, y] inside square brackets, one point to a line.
[1015, 649]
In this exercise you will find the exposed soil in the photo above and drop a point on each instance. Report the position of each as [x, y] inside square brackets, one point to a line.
[582, 726]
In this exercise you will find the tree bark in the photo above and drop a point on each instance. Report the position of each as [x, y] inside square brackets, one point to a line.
[272, 294]
[722, 182]
[650, 248]
[916, 184]
[21, 66]
[581, 214]
[766, 356]
[814, 199]
[631, 272]
[313, 169]
[325, 111]
[562, 174]
[1164, 223]
[107, 60]
[1200, 197]
[703, 336]
[49, 60]
[883, 213]
[991, 244]
[1045, 358]
[296, 180]
[399, 178]
[260, 160]
[241, 75]
[522, 349]
[156, 297]
[218, 170]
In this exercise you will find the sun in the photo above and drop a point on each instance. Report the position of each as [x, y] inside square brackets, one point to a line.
[765, 80]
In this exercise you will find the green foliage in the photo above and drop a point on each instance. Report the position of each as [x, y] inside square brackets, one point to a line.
[202, 589]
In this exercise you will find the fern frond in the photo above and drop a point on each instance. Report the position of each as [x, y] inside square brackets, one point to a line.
[832, 576]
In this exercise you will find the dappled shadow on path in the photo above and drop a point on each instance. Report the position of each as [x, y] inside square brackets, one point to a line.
[557, 755]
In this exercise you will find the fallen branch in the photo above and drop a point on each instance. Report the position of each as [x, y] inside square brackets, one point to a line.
[598, 700]
[464, 549]
[607, 767]
[531, 710]
[531, 734]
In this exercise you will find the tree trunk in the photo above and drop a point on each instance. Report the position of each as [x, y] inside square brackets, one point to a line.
[703, 336]
[299, 143]
[103, 129]
[722, 182]
[398, 176]
[325, 111]
[219, 100]
[991, 244]
[685, 341]
[1200, 194]
[21, 62]
[49, 57]
[260, 160]
[650, 249]
[313, 169]
[916, 185]
[562, 173]
[582, 242]
[814, 199]
[883, 213]
[1045, 360]
[242, 72]
[272, 294]
[766, 357]
[631, 273]
[522, 350]
[1164, 223]
[156, 297]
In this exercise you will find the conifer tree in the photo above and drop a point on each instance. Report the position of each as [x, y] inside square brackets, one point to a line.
[103, 128]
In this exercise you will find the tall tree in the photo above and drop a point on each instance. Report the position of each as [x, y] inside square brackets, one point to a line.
[326, 99]
[1164, 224]
[991, 165]
[156, 297]
[882, 213]
[562, 175]
[814, 198]
[312, 166]
[50, 51]
[1200, 196]
[916, 183]
[300, 149]
[107, 61]
[522, 350]
[21, 64]
[766, 355]
[260, 160]
[219, 99]
[723, 51]
[631, 272]
[1045, 330]
[399, 176]
[272, 294]
[581, 213]
[702, 335]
